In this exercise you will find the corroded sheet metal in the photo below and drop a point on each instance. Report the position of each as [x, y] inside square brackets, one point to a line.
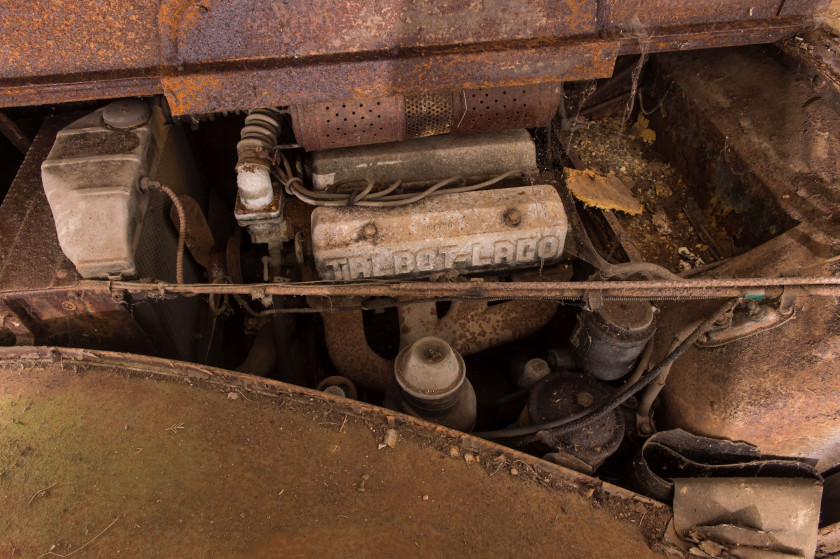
[470, 232]
[639, 15]
[212, 463]
[236, 54]
[372, 76]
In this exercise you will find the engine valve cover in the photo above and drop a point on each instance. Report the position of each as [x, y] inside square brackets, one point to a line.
[482, 231]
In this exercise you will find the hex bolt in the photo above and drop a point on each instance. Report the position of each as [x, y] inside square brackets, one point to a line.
[370, 231]
[513, 218]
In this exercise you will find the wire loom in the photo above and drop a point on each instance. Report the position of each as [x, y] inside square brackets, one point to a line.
[366, 197]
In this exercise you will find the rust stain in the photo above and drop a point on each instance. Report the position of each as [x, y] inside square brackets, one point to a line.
[218, 55]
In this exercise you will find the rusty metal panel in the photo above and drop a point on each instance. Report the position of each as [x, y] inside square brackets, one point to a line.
[638, 16]
[240, 54]
[248, 29]
[238, 86]
[61, 37]
[237, 54]
[803, 7]
[471, 232]
[212, 463]
[711, 36]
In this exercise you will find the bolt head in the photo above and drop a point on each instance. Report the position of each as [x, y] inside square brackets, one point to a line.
[370, 231]
[68, 306]
[513, 218]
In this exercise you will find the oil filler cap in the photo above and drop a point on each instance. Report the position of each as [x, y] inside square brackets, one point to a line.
[126, 113]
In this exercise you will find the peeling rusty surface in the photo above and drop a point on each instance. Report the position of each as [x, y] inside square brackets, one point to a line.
[387, 74]
[715, 35]
[237, 54]
[473, 326]
[347, 346]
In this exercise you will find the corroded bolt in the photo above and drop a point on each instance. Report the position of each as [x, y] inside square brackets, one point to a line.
[513, 218]
[68, 306]
[370, 231]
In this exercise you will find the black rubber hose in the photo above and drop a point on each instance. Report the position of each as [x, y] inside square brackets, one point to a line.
[598, 411]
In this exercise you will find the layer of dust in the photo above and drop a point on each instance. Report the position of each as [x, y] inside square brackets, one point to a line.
[112, 465]
[663, 227]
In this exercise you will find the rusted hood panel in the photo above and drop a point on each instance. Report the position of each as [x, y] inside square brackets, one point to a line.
[145, 457]
[234, 54]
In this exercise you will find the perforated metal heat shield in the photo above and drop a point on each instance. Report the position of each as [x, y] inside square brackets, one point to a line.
[373, 121]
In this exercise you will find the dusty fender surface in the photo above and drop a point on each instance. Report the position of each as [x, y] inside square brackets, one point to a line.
[159, 457]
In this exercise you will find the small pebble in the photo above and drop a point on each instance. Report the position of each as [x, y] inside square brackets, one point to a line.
[232, 396]
[514, 472]
[425, 497]
[453, 451]
[469, 457]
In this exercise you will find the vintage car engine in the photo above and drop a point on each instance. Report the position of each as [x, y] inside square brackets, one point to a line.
[633, 277]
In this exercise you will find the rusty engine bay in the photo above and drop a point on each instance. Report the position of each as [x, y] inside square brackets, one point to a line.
[559, 234]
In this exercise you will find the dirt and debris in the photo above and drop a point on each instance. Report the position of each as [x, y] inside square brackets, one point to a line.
[606, 192]
[606, 146]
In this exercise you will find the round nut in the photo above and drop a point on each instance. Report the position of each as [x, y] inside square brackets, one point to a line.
[370, 231]
[513, 217]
